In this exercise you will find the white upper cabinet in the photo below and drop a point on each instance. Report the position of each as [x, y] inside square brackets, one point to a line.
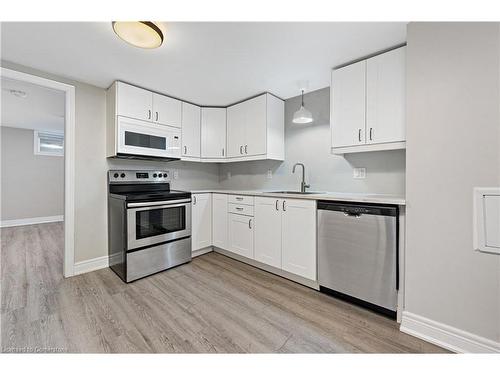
[255, 129]
[219, 220]
[298, 254]
[191, 136]
[268, 231]
[201, 218]
[166, 110]
[368, 104]
[348, 105]
[134, 102]
[385, 97]
[213, 133]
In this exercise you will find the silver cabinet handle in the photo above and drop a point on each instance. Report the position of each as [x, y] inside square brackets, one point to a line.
[194, 199]
[371, 131]
[284, 207]
[157, 116]
[185, 150]
[246, 147]
[222, 152]
[149, 114]
[239, 198]
[239, 208]
[250, 224]
[359, 135]
[241, 149]
[277, 208]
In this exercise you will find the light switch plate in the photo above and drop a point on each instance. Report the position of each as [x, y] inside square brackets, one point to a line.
[269, 174]
[176, 174]
[359, 173]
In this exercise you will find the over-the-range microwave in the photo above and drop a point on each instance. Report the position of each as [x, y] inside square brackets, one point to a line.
[140, 138]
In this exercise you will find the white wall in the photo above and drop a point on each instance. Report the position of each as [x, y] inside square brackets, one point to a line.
[453, 144]
[32, 185]
[310, 144]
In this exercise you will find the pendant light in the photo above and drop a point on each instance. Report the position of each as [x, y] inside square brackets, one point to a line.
[302, 116]
[142, 34]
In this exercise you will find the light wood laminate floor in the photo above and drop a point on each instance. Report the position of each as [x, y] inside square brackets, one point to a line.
[213, 304]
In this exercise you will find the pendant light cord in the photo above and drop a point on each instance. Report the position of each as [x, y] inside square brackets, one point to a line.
[302, 98]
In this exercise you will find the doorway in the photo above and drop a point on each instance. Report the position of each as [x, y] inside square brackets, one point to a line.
[52, 134]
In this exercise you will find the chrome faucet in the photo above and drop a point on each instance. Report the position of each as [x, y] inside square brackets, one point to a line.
[303, 185]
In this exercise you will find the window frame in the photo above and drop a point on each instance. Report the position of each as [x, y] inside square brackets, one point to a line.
[36, 143]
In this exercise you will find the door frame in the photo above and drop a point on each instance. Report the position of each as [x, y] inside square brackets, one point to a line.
[69, 158]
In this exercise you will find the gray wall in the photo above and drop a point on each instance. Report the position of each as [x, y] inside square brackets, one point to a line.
[91, 167]
[453, 144]
[310, 144]
[32, 185]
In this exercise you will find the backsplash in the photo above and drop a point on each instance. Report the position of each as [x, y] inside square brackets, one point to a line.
[310, 144]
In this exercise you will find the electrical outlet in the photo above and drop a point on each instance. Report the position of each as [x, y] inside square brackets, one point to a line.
[176, 174]
[228, 175]
[269, 174]
[359, 173]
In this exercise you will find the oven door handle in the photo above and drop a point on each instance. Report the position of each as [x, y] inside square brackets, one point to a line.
[172, 203]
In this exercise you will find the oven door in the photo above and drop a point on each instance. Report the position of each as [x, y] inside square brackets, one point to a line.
[150, 223]
[136, 137]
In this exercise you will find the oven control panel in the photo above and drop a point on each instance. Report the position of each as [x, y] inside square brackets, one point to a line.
[138, 176]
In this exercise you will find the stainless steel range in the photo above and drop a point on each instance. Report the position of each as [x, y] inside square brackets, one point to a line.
[149, 225]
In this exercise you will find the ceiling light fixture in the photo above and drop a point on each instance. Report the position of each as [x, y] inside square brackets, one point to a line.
[302, 116]
[142, 34]
[18, 93]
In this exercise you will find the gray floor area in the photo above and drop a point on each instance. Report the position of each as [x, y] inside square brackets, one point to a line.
[213, 304]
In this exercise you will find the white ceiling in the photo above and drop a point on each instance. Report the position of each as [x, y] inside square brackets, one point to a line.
[41, 109]
[205, 63]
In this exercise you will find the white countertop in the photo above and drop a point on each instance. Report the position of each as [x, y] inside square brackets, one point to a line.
[332, 196]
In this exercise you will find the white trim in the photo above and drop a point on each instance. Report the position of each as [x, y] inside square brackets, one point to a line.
[369, 147]
[31, 221]
[446, 336]
[91, 265]
[479, 219]
[199, 252]
[69, 158]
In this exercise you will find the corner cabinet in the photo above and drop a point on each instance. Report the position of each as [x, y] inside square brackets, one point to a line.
[213, 134]
[367, 109]
[255, 129]
[191, 132]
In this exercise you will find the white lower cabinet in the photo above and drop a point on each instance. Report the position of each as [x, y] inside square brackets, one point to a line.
[241, 233]
[298, 234]
[219, 221]
[285, 235]
[268, 231]
[201, 222]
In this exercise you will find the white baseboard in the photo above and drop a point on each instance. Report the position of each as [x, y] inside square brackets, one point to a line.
[91, 265]
[31, 221]
[448, 337]
[202, 251]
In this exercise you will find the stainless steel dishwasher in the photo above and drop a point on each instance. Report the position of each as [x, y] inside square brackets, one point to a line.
[358, 254]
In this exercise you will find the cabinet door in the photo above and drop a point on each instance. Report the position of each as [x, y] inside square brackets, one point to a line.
[255, 126]
[348, 105]
[236, 130]
[201, 222]
[213, 133]
[191, 130]
[134, 102]
[268, 231]
[167, 111]
[386, 97]
[299, 237]
[241, 235]
[219, 220]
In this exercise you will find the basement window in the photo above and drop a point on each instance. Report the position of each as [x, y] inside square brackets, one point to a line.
[48, 143]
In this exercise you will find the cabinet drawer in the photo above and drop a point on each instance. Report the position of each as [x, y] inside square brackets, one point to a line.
[241, 209]
[241, 199]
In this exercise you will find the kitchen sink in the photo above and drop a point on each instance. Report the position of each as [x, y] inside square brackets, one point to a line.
[296, 192]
